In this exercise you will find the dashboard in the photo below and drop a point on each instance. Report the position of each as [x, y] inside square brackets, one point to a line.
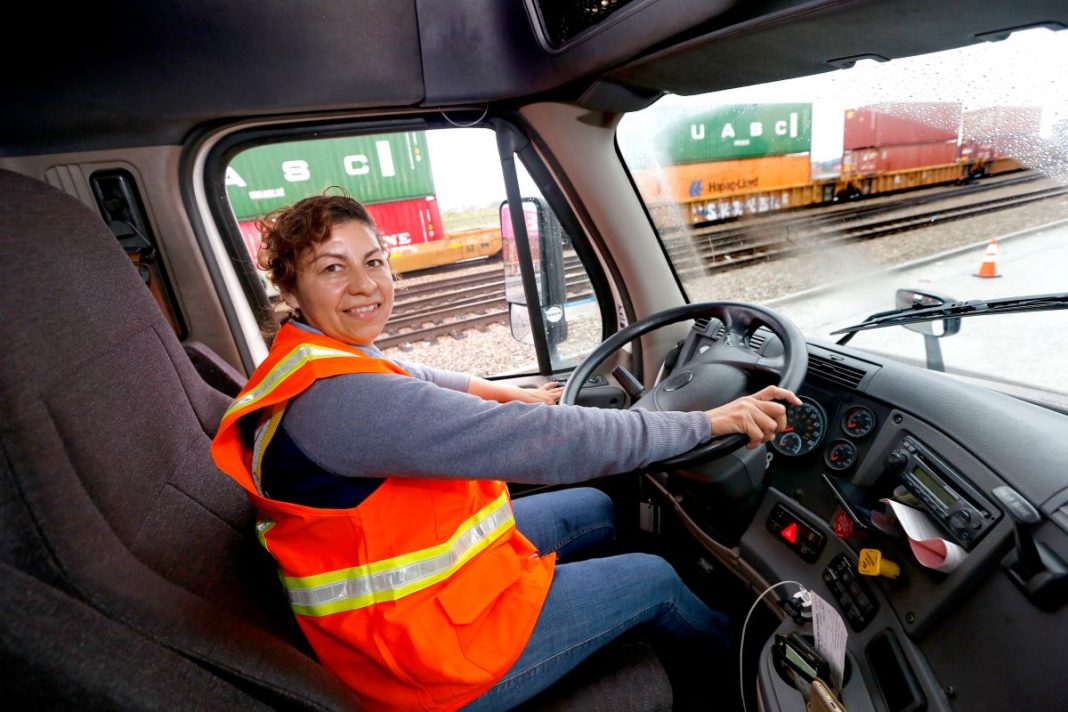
[981, 622]
[978, 635]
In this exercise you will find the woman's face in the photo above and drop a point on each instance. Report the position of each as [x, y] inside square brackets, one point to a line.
[344, 285]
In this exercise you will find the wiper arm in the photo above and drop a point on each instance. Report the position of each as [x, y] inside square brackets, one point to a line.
[975, 307]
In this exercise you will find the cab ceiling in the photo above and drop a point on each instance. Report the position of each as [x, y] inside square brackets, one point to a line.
[135, 73]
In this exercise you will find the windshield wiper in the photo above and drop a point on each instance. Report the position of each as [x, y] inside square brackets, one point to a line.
[975, 307]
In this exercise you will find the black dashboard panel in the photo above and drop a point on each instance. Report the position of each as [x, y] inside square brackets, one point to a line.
[912, 651]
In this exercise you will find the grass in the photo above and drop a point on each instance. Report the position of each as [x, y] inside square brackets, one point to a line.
[455, 220]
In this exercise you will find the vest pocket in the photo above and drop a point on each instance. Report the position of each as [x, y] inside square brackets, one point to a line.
[457, 639]
[478, 584]
[485, 604]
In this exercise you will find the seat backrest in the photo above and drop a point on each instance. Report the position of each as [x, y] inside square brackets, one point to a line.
[107, 490]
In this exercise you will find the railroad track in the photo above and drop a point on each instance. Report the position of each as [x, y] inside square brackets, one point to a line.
[452, 314]
[734, 250]
[476, 300]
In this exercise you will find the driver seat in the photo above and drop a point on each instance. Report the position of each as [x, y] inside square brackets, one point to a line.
[128, 563]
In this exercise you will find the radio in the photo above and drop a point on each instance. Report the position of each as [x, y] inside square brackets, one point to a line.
[962, 511]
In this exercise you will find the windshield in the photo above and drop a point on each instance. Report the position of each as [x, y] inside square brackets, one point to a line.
[941, 175]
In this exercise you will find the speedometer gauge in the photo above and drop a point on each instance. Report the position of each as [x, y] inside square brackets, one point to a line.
[806, 425]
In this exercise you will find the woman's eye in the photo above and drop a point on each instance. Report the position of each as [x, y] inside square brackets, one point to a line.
[375, 263]
[332, 268]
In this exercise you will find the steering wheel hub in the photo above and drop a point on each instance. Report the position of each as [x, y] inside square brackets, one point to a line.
[711, 373]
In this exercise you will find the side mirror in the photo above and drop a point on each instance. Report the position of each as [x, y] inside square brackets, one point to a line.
[931, 330]
[918, 299]
[545, 237]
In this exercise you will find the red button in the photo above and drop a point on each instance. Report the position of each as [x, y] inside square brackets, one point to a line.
[842, 524]
[790, 533]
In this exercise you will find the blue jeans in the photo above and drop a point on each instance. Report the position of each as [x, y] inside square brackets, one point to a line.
[595, 601]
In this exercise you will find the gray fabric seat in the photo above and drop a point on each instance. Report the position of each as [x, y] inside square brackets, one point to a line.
[131, 575]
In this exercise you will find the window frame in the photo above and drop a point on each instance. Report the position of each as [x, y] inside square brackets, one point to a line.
[221, 153]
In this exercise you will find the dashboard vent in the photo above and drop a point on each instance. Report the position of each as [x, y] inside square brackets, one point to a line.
[700, 326]
[840, 373]
[758, 338]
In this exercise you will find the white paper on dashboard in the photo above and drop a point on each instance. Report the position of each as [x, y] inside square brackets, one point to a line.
[831, 638]
[926, 540]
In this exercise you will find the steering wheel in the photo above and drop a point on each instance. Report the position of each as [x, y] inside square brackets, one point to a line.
[717, 373]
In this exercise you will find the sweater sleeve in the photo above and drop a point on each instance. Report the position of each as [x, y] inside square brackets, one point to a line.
[446, 379]
[373, 425]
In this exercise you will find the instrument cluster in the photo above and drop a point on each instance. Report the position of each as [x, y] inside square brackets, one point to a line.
[808, 426]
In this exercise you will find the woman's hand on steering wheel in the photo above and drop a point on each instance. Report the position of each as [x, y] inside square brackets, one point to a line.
[758, 416]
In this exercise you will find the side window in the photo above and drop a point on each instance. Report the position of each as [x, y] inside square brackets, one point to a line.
[438, 198]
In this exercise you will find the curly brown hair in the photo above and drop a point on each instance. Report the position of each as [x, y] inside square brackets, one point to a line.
[289, 231]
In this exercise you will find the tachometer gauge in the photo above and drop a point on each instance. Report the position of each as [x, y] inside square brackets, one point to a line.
[858, 421]
[806, 425]
[840, 455]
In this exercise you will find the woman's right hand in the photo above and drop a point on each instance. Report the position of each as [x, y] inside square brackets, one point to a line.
[757, 416]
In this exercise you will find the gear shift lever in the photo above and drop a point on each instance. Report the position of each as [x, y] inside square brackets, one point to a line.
[1037, 570]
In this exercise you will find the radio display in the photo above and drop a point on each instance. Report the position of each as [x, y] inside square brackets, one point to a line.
[934, 487]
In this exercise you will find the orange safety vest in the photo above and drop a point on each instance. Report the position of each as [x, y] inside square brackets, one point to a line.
[420, 597]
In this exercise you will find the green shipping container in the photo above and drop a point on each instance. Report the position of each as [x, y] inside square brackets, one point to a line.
[377, 168]
[727, 132]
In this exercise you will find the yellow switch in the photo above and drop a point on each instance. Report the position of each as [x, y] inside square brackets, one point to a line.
[872, 563]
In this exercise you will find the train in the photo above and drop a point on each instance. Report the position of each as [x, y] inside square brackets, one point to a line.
[714, 164]
[725, 162]
[390, 173]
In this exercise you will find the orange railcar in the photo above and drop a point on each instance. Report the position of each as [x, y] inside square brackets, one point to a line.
[454, 247]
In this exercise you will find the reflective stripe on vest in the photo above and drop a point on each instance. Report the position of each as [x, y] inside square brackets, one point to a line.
[391, 579]
[286, 366]
[264, 433]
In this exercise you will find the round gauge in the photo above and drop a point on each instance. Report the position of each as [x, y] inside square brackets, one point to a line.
[805, 427]
[858, 421]
[840, 455]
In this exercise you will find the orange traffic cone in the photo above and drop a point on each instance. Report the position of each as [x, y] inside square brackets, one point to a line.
[988, 268]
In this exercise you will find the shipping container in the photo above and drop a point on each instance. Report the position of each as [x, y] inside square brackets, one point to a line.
[901, 124]
[252, 238]
[737, 131]
[377, 168]
[1000, 131]
[408, 222]
[402, 223]
[887, 159]
[690, 181]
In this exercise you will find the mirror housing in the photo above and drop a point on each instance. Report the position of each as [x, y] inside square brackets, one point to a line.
[917, 298]
[546, 239]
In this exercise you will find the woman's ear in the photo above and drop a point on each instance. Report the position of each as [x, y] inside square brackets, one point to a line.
[291, 300]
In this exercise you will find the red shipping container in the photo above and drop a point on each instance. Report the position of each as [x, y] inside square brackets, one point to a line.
[1002, 130]
[252, 237]
[901, 124]
[408, 222]
[870, 161]
[404, 222]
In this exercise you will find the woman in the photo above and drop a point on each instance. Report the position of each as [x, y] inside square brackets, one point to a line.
[380, 494]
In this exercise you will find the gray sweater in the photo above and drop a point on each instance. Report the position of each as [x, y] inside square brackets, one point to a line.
[374, 425]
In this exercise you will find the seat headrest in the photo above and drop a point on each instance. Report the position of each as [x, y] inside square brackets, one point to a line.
[67, 289]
